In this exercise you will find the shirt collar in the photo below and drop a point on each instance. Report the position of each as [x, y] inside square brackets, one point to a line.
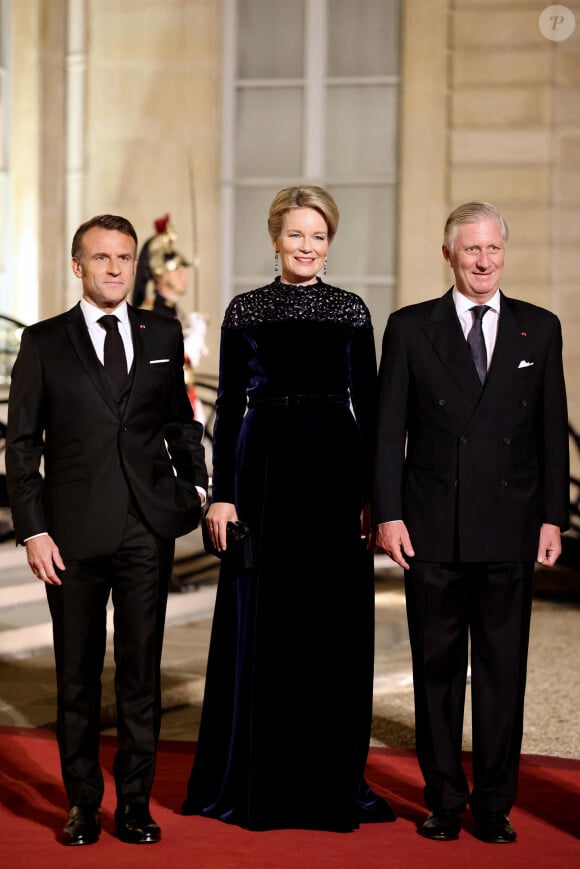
[463, 304]
[92, 314]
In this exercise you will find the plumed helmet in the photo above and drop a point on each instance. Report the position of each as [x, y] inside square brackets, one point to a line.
[163, 256]
[158, 255]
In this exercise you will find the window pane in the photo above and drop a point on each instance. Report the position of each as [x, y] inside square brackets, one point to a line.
[269, 132]
[253, 254]
[363, 37]
[361, 132]
[365, 241]
[270, 39]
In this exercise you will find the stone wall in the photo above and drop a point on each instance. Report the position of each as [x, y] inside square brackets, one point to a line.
[116, 108]
[153, 123]
[491, 110]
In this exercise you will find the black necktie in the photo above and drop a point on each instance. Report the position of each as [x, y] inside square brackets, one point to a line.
[114, 356]
[476, 341]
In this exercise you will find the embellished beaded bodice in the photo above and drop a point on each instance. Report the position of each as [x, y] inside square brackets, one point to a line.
[295, 344]
[314, 302]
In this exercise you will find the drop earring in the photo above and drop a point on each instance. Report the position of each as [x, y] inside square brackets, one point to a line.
[276, 263]
[325, 265]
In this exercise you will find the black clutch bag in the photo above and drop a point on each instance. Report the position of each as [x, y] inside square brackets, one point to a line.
[239, 551]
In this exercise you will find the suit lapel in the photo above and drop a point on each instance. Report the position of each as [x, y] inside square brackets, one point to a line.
[510, 347]
[78, 334]
[446, 336]
[139, 334]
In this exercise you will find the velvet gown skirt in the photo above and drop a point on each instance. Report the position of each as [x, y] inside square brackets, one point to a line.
[287, 710]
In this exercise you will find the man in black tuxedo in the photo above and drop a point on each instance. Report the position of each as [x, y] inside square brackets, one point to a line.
[472, 486]
[103, 404]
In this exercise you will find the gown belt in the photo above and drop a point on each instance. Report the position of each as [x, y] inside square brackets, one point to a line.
[297, 400]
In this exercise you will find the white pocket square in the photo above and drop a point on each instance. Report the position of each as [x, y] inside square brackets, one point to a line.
[524, 364]
[157, 361]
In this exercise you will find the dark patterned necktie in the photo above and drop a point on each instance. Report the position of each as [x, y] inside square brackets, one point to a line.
[476, 341]
[115, 360]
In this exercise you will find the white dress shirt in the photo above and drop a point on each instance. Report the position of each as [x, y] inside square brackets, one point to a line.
[92, 315]
[489, 323]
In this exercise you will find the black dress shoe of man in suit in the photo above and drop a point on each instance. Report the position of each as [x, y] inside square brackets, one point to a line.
[135, 825]
[494, 827]
[82, 828]
[442, 825]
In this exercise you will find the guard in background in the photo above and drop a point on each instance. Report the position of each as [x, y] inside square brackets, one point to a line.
[161, 284]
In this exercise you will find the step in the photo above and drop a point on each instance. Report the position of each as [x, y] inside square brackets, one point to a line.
[25, 625]
[19, 587]
[27, 630]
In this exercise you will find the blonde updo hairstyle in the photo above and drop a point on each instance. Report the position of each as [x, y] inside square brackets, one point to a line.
[307, 196]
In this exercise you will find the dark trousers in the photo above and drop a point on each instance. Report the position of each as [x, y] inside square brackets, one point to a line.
[449, 605]
[137, 577]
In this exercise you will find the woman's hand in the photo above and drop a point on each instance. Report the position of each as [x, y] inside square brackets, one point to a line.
[217, 518]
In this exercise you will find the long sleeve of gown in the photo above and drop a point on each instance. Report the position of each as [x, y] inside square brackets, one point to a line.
[363, 392]
[230, 409]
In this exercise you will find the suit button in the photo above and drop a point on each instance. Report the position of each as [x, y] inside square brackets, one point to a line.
[442, 402]
[524, 402]
[125, 428]
[463, 440]
[507, 442]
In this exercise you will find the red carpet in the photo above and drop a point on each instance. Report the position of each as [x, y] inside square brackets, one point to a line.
[33, 809]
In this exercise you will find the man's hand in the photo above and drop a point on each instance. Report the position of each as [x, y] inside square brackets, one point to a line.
[393, 538]
[550, 545]
[43, 554]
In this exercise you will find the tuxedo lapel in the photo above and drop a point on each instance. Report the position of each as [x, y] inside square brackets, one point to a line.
[446, 337]
[78, 334]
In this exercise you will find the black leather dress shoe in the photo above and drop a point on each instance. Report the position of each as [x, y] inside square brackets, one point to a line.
[82, 828]
[494, 827]
[442, 825]
[135, 825]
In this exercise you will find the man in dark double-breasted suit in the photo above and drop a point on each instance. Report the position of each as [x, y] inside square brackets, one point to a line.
[102, 403]
[472, 486]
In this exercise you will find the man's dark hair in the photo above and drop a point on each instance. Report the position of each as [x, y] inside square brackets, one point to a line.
[104, 221]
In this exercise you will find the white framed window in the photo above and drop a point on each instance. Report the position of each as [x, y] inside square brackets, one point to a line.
[311, 93]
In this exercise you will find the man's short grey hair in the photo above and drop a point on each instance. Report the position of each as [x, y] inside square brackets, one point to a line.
[471, 212]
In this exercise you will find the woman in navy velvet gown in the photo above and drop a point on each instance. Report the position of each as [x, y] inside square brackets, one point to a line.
[286, 718]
